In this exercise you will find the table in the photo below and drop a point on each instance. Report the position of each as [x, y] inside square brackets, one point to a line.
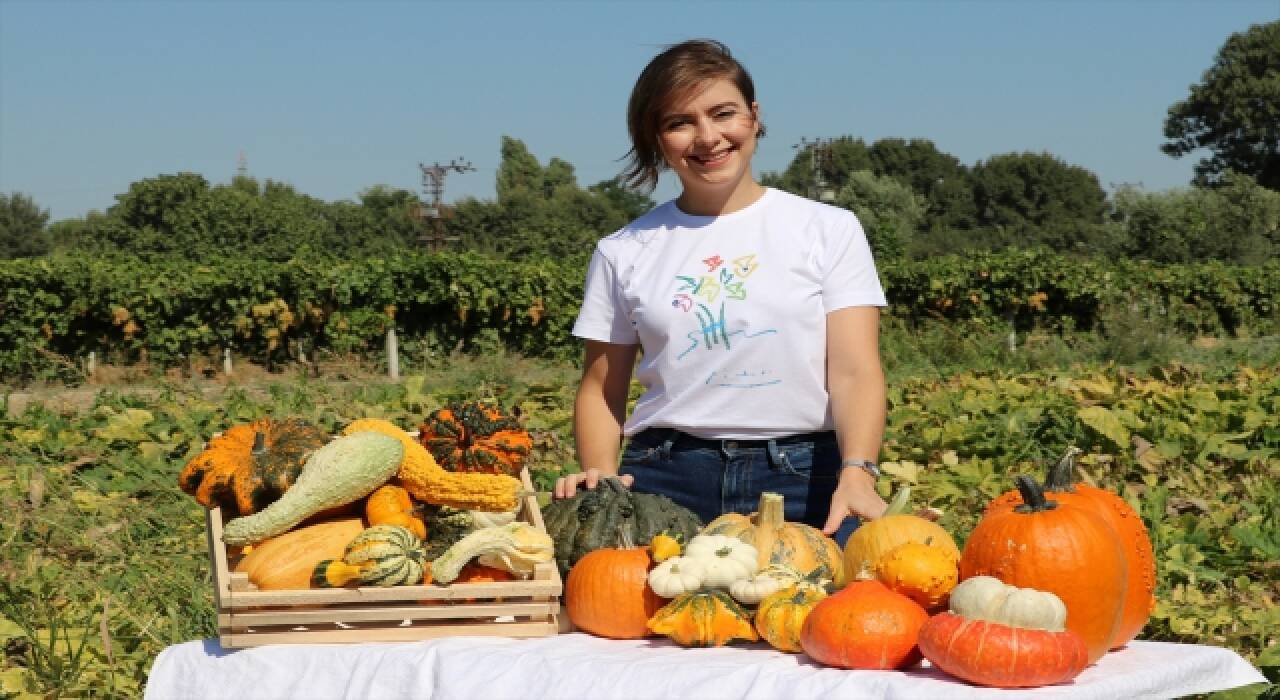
[581, 666]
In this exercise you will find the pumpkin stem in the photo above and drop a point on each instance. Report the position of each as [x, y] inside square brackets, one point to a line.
[771, 511]
[898, 505]
[1033, 500]
[624, 535]
[1061, 476]
[259, 444]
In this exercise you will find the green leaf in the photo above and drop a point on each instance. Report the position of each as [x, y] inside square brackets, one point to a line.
[1107, 423]
[128, 426]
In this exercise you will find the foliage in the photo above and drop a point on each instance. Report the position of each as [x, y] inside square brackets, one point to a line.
[22, 227]
[888, 210]
[1239, 221]
[104, 560]
[183, 313]
[1233, 111]
[1036, 198]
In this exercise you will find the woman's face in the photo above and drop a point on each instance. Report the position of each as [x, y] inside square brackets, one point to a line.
[709, 139]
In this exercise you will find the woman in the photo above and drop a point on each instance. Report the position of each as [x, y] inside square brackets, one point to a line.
[754, 313]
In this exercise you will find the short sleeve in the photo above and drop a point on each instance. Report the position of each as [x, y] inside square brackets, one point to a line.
[849, 271]
[604, 315]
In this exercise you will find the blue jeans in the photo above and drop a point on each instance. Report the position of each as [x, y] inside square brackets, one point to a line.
[712, 477]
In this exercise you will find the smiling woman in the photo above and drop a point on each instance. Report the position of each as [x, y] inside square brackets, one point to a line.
[756, 310]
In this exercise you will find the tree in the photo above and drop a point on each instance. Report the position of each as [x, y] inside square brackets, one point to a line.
[22, 225]
[1037, 199]
[1234, 111]
[1237, 222]
[888, 209]
[940, 177]
[837, 161]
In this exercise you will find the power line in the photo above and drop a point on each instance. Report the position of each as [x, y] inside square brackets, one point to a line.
[429, 214]
[819, 159]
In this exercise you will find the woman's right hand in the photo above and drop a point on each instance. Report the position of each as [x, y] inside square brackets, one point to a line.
[567, 485]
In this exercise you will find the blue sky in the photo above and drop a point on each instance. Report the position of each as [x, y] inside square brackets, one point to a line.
[334, 97]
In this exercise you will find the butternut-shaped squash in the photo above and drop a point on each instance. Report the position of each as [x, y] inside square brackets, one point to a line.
[286, 561]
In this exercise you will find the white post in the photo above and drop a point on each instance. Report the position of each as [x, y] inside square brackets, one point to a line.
[302, 354]
[93, 363]
[1013, 333]
[226, 361]
[393, 356]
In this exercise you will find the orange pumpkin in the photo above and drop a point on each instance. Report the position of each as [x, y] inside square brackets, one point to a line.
[391, 505]
[1066, 550]
[476, 436]
[607, 592]
[795, 545]
[1140, 593]
[864, 626]
[999, 655]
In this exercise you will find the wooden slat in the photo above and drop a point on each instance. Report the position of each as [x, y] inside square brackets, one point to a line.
[234, 640]
[391, 614]
[392, 594]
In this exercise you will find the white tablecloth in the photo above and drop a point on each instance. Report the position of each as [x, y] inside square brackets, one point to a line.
[581, 666]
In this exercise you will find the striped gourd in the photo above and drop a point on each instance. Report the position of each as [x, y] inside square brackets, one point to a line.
[387, 555]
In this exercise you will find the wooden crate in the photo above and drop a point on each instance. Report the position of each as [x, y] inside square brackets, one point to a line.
[250, 617]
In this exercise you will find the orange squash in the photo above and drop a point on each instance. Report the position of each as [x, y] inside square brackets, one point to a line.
[391, 505]
[250, 465]
[1139, 596]
[780, 543]
[607, 592]
[864, 626]
[704, 619]
[1062, 549]
[876, 538]
[286, 561]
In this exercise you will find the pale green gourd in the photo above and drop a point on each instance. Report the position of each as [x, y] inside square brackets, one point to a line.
[516, 547]
[345, 470]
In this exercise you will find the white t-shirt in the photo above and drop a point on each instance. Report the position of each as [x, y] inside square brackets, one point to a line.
[730, 312]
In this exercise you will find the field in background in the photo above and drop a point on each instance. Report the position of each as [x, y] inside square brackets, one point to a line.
[103, 561]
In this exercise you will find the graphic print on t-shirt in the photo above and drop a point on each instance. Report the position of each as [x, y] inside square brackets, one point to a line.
[706, 297]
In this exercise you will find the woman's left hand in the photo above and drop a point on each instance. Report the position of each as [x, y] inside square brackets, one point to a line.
[854, 496]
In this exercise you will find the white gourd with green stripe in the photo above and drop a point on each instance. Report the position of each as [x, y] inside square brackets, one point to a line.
[388, 555]
[345, 470]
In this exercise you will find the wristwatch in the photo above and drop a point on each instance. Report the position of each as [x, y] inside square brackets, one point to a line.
[864, 464]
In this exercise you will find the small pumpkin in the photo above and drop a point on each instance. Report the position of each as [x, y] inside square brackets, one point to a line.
[665, 545]
[778, 542]
[391, 505]
[608, 594]
[704, 619]
[381, 555]
[864, 626]
[249, 466]
[781, 615]
[920, 571]
[1003, 636]
[1062, 549]
[476, 436]
[876, 538]
[1061, 485]
[676, 576]
[724, 559]
[767, 581]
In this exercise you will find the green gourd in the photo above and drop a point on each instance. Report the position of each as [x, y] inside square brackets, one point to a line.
[515, 547]
[591, 520]
[382, 555]
[345, 470]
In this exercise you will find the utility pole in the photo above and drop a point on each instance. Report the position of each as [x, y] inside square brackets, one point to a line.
[242, 165]
[819, 158]
[433, 187]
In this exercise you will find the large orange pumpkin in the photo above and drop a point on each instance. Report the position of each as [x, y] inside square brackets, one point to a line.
[864, 626]
[799, 546]
[1062, 549]
[607, 592]
[1140, 593]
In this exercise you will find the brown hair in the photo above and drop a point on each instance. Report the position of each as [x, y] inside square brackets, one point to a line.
[673, 75]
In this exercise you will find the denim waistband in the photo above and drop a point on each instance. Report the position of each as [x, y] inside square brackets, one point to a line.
[679, 439]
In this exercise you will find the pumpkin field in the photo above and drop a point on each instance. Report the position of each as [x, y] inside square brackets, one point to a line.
[104, 562]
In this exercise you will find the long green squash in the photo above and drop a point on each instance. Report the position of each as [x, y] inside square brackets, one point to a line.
[345, 470]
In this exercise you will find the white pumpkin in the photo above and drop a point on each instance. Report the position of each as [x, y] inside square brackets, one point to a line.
[725, 559]
[988, 598]
[676, 576]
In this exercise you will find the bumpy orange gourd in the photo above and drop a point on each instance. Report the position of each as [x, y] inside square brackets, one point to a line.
[1062, 549]
[476, 436]
[864, 626]
[391, 505]
[781, 615]
[607, 592]
[781, 543]
[251, 465]
[921, 572]
[704, 619]
[1140, 593]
